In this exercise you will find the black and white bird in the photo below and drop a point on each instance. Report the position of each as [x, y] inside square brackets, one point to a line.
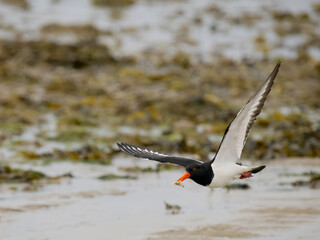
[225, 166]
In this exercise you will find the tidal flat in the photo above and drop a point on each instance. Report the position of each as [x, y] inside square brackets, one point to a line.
[167, 75]
[86, 207]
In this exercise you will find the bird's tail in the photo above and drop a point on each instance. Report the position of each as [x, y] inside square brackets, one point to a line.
[257, 169]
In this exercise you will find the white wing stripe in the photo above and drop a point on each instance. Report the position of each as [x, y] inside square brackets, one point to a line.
[235, 137]
[146, 151]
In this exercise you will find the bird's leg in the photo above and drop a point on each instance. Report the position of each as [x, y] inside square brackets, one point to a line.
[246, 175]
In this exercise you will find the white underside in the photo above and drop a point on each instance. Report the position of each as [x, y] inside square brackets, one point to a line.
[224, 174]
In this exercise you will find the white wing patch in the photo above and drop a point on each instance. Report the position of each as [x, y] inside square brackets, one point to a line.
[235, 138]
[149, 151]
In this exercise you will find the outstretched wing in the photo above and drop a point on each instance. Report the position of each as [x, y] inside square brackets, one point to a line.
[237, 132]
[151, 155]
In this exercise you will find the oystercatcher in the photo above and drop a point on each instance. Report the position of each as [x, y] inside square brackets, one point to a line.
[225, 166]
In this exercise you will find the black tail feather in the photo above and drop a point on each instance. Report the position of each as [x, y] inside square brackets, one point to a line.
[257, 169]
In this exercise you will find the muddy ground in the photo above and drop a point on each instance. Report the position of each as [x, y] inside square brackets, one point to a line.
[168, 75]
[86, 207]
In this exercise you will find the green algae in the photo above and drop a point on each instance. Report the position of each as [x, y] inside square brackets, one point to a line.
[112, 3]
[313, 182]
[14, 175]
[87, 154]
[72, 55]
[22, 4]
[138, 169]
[108, 177]
[241, 186]
[192, 101]
[158, 168]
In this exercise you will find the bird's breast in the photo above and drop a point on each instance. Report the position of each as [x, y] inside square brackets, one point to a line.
[223, 175]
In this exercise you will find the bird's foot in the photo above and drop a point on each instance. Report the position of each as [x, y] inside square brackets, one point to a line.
[246, 175]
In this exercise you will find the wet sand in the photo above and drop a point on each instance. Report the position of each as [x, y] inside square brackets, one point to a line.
[85, 207]
[272, 212]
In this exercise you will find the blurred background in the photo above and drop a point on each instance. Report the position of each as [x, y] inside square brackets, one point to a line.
[78, 76]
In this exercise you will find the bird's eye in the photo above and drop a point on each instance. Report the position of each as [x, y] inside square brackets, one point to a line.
[194, 169]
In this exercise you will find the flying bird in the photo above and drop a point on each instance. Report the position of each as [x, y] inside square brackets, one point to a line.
[226, 165]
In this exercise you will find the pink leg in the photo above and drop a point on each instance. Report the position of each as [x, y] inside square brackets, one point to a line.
[246, 175]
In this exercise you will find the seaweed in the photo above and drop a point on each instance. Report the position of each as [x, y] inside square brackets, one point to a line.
[112, 176]
[22, 4]
[172, 209]
[86, 88]
[87, 154]
[76, 56]
[313, 182]
[16, 175]
[112, 3]
[241, 186]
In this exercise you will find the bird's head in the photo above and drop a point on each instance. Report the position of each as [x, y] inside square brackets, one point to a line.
[200, 173]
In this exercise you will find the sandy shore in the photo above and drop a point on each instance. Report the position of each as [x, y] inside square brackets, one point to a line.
[86, 207]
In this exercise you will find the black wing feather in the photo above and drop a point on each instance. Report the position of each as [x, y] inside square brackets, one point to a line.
[140, 152]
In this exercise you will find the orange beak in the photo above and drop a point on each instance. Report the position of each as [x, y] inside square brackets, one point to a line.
[184, 177]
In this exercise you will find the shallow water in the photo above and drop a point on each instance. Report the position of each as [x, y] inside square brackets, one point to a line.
[85, 207]
[168, 26]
